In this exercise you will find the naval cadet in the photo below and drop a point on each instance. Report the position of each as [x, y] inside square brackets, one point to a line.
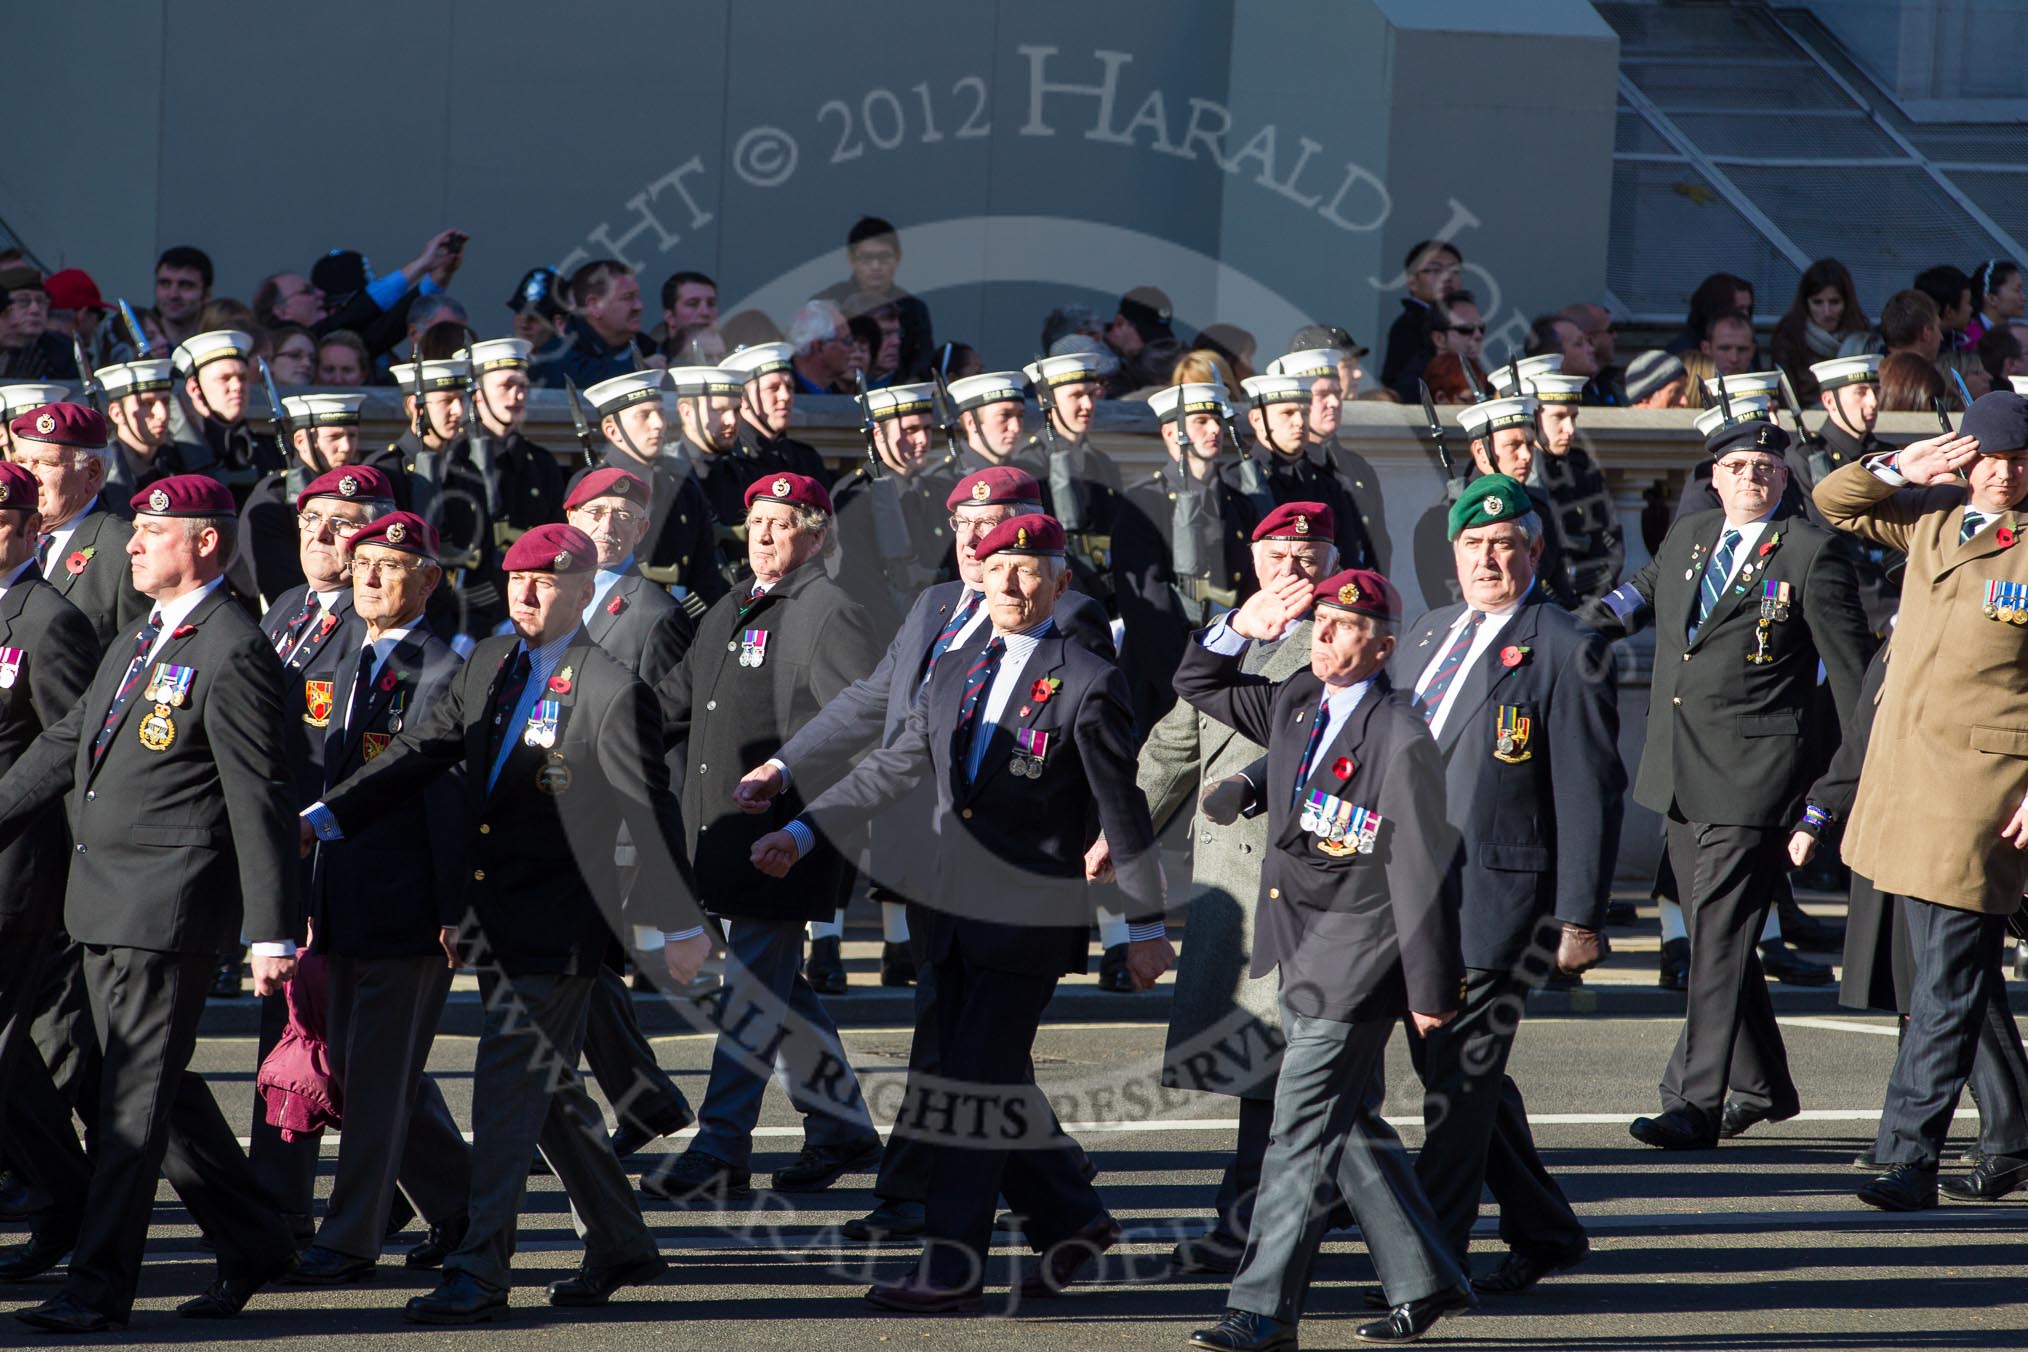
[708, 445]
[1082, 487]
[1322, 366]
[216, 370]
[893, 531]
[430, 466]
[1296, 469]
[323, 435]
[768, 374]
[681, 550]
[139, 399]
[523, 478]
[989, 408]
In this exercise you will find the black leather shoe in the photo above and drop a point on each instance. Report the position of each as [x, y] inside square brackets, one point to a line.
[19, 1201]
[443, 1241]
[1993, 1179]
[320, 1266]
[909, 1296]
[1519, 1271]
[461, 1299]
[1783, 964]
[1245, 1331]
[819, 1166]
[1672, 1131]
[695, 1178]
[1807, 932]
[897, 968]
[1674, 974]
[1068, 1258]
[43, 1251]
[1622, 913]
[595, 1285]
[227, 1296]
[1737, 1117]
[630, 1136]
[1113, 973]
[1904, 1187]
[889, 1220]
[66, 1314]
[1406, 1323]
[1216, 1252]
[825, 968]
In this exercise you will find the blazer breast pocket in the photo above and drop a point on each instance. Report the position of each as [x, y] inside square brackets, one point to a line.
[1513, 858]
[171, 837]
[1775, 723]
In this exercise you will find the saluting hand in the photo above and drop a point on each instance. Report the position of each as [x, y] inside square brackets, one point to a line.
[1936, 458]
[1147, 959]
[757, 789]
[1263, 616]
[775, 854]
[685, 957]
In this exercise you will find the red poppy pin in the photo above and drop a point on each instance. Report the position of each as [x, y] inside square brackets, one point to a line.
[1768, 546]
[183, 631]
[616, 605]
[2004, 537]
[1512, 656]
[1342, 767]
[1043, 688]
[75, 564]
[559, 684]
[387, 679]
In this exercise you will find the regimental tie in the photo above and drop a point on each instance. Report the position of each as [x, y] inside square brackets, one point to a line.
[505, 703]
[1431, 697]
[42, 544]
[960, 617]
[1716, 574]
[1974, 523]
[292, 632]
[143, 643]
[1320, 721]
[361, 683]
[976, 680]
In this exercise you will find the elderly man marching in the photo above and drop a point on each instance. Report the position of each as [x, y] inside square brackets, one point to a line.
[1941, 817]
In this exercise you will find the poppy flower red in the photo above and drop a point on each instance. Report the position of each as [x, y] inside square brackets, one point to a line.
[1342, 767]
[1511, 656]
[2004, 538]
[387, 679]
[183, 631]
[559, 685]
[75, 564]
[1041, 691]
[616, 605]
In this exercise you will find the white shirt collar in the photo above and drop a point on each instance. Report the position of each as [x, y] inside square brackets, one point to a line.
[175, 612]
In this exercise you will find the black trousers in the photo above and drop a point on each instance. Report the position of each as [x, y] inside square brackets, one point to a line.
[905, 1160]
[620, 1059]
[157, 1118]
[1957, 1010]
[987, 1019]
[1728, 876]
[34, 1116]
[1476, 1128]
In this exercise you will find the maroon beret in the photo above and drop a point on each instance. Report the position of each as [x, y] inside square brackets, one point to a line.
[356, 483]
[1033, 534]
[398, 530]
[552, 548]
[607, 483]
[185, 495]
[1361, 591]
[997, 484]
[1297, 521]
[797, 489]
[17, 487]
[62, 425]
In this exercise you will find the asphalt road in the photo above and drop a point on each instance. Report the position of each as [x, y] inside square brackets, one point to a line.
[1759, 1244]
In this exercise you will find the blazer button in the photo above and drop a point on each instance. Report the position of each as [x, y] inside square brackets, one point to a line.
[80, 847]
[1686, 657]
[732, 647]
[702, 768]
[710, 704]
[91, 795]
[966, 814]
[485, 829]
[1274, 894]
[1676, 700]
[478, 875]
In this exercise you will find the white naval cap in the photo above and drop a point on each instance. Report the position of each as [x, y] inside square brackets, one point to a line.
[691, 382]
[324, 410]
[1072, 368]
[1277, 389]
[635, 387]
[145, 376]
[1531, 369]
[757, 359]
[898, 401]
[1745, 408]
[1767, 384]
[1494, 415]
[992, 387]
[1180, 401]
[1558, 388]
[1863, 369]
[2020, 384]
[1310, 363]
[20, 398]
[497, 354]
[449, 373]
[201, 349]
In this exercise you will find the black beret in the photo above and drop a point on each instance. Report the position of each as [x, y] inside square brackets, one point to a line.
[1999, 420]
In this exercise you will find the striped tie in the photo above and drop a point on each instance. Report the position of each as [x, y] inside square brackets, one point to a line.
[976, 680]
[143, 642]
[960, 617]
[285, 641]
[1317, 726]
[1974, 523]
[1716, 574]
[1431, 697]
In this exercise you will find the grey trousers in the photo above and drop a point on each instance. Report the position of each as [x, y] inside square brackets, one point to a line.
[621, 1060]
[1330, 1143]
[525, 1093]
[383, 1018]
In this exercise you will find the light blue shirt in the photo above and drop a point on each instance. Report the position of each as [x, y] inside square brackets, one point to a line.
[542, 663]
[603, 584]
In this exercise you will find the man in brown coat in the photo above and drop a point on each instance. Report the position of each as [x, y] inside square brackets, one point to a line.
[1941, 816]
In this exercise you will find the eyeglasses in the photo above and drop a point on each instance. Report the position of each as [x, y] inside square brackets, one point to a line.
[618, 516]
[375, 567]
[341, 527]
[1466, 328]
[974, 525]
[1750, 469]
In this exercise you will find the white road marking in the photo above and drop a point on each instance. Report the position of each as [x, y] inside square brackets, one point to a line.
[1839, 1025]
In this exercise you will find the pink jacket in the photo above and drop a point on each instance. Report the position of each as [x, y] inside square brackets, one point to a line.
[302, 1094]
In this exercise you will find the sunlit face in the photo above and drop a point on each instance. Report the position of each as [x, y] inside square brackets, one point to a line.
[617, 313]
[338, 364]
[971, 523]
[994, 429]
[1559, 427]
[775, 545]
[1512, 453]
[323, 525]
[66, 479]
[770, 400]
[1496, 564]
[615, 524]
[1022, 590]
[1855, 407]
[544, 607]
[1326, 403]
[636, 430]
[503, 399]
[1730, 347]
[1463, 333]
[710, 420]
[1748, 483]
[1281, 427]
[1997, 481]
[142, 418]
[447, 413]
[1310, 560]
[391, 586]
[323, 448]
[1439, 270]
[1074, 405]
[1346, 648]
[696, 303]
[167, 561]
[180, 294]
[1203, 434]
[905, 442]
[219, 388]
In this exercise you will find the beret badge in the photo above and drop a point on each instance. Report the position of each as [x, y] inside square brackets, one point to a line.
[158, 501]
[1302, 524]
[348, 486]
[46, 423]
[1348, 595]
[780, 488]
[1021, 537]
[980, 492]
[562, 559]
[3, 490]
[1494, 504]
[396, 533]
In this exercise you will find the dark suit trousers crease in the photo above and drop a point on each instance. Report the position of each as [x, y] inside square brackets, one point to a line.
[525, 1092]
[35, 1118]
[1728, 877]
[287, 1170]
[1476, 1127]
[1957, 1011]
[1330, 1143]
[987, 1022]
[622, 1061]
[64, 1033]
[157, 1118]
[383, 1017]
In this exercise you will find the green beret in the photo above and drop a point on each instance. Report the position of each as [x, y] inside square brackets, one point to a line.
[1487, 499]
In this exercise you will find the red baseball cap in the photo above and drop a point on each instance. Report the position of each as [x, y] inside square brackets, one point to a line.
[552, 548]
[398, 530]
[73, 289]
[608, 483]
[356, 483]
[185, 495]
[1297, 521]
[62, 425]
[797, 489]
[996, 484]
[1361, 591]
[1032, 534]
